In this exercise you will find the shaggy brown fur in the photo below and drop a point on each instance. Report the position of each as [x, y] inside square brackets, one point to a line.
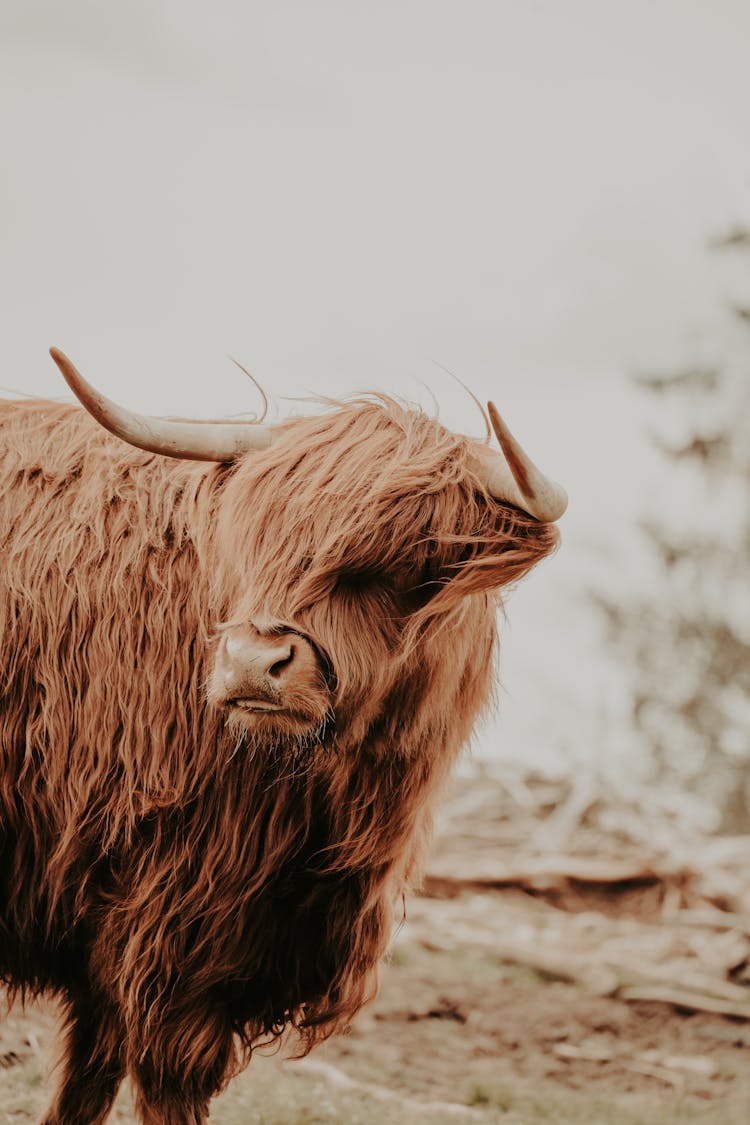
[188, 891]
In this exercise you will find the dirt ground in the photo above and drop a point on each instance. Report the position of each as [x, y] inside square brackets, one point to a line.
[466, 1028]
[458, 1034]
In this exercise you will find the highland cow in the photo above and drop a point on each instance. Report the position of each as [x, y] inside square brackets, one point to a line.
[237, 663]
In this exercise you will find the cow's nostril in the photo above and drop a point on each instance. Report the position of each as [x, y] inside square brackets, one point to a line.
[278, 666]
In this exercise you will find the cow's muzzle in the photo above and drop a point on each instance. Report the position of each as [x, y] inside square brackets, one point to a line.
[268, 675]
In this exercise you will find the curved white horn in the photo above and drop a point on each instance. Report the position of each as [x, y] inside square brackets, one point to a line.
[515, 478]
[192, 441]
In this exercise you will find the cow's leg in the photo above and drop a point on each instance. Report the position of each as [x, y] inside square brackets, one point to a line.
[92, 1066]
[172, 1105]
[184, 1065]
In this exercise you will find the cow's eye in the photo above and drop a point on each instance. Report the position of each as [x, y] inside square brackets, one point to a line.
[363, 582]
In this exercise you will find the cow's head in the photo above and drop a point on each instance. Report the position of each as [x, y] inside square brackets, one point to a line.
[363, 557]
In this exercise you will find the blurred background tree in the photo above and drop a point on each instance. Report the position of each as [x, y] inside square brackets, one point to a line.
[685, 639]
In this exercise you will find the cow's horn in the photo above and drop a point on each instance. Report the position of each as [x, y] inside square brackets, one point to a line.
[193, 441]
[515, 478]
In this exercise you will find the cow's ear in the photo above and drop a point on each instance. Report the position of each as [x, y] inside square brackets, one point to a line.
[482, 567]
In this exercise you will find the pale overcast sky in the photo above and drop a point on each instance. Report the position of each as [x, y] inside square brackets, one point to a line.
[341, 193]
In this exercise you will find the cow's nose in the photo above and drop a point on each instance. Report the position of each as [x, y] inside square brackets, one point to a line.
[263, 658]
[269, 679]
